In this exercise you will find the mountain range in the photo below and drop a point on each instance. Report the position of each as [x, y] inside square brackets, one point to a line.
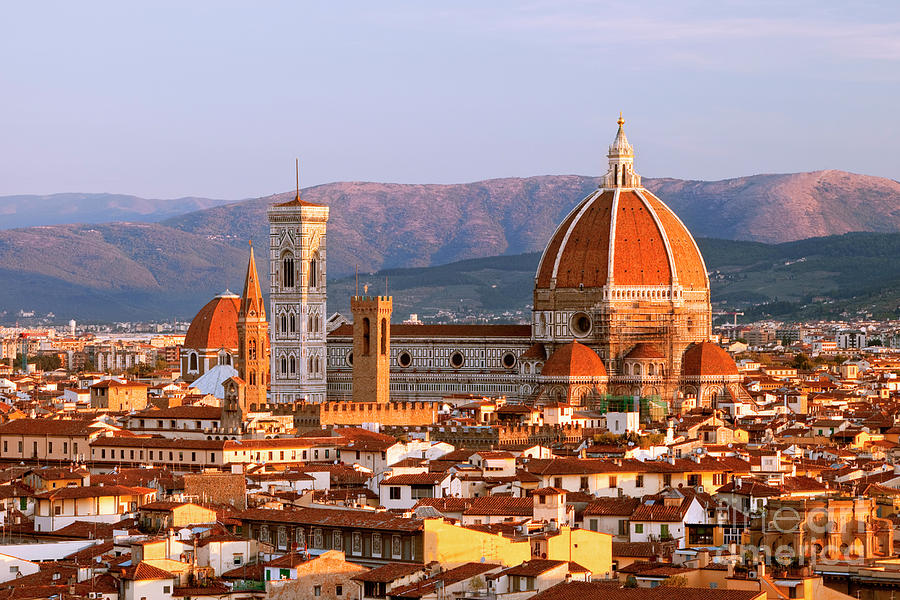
[829, 277]
[171, 265]
[60, 209]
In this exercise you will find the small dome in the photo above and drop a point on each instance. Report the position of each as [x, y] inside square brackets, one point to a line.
[536, 350]
[644, 350]
[215, 326]
[707, 358]
[574, 360]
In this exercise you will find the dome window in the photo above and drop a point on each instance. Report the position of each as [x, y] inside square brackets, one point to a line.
[580, 324]
[508, 361]
[404, 359]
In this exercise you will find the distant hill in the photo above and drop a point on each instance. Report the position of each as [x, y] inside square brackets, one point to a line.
[59, 209]
[120, 271]
[815, 278]
[160, 270]
[383, 225]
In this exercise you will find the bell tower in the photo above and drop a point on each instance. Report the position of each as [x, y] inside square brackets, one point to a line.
[371, 348]
[297, 299]
[253, 340]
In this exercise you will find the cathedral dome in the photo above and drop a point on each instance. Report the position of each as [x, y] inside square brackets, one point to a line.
[707, 359]
[215, 326]
[574, 360]
[643, 351]
[621, 235]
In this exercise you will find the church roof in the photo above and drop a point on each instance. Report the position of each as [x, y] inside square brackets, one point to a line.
[644, 350]
[707, 358]
[574, 360]
[451, 330]
[215, 326]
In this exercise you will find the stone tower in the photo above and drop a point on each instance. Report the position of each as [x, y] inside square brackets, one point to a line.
[253, 340]
[371, 348]
[297, 300]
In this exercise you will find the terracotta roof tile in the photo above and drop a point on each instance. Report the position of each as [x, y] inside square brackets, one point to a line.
[215, 326]
[707, 358]
[574, 360]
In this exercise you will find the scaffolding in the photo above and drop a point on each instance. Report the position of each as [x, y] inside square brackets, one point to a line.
[651, 408]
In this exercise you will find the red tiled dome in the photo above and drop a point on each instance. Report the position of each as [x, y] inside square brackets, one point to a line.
[628, 234]
[574, 360]
[215, 326]
[707, 358]
[644, 350]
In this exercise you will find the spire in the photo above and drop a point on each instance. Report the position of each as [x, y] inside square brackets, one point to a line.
[251, 299]
[621, 161]
[297, 163]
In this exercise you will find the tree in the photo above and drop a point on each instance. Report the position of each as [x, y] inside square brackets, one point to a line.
[47, 362]
[802, 362]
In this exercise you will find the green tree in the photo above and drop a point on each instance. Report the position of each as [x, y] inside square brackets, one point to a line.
[802, 362]
[47, 362]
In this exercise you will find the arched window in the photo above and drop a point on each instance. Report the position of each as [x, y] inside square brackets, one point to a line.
[293, 364]
[366, 336]
[283, 323]
[313, 273]
[251, 350]
[192, 362]
[293, 323]
[287, 271]
[252, 377]
[283, 365]
[383, 336]
[317, 368]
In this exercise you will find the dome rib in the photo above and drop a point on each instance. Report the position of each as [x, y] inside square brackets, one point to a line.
[565, 241]
[688, 258]
[665, 235]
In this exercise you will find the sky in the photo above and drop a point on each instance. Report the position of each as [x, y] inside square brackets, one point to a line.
[217, 98]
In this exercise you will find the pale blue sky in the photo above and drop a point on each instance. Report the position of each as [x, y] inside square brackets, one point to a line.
[216, 98]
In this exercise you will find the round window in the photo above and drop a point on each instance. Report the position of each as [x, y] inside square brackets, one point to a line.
[350, 358]
[508, 360]
[404, 359]
[580, 324]
[457, 359]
